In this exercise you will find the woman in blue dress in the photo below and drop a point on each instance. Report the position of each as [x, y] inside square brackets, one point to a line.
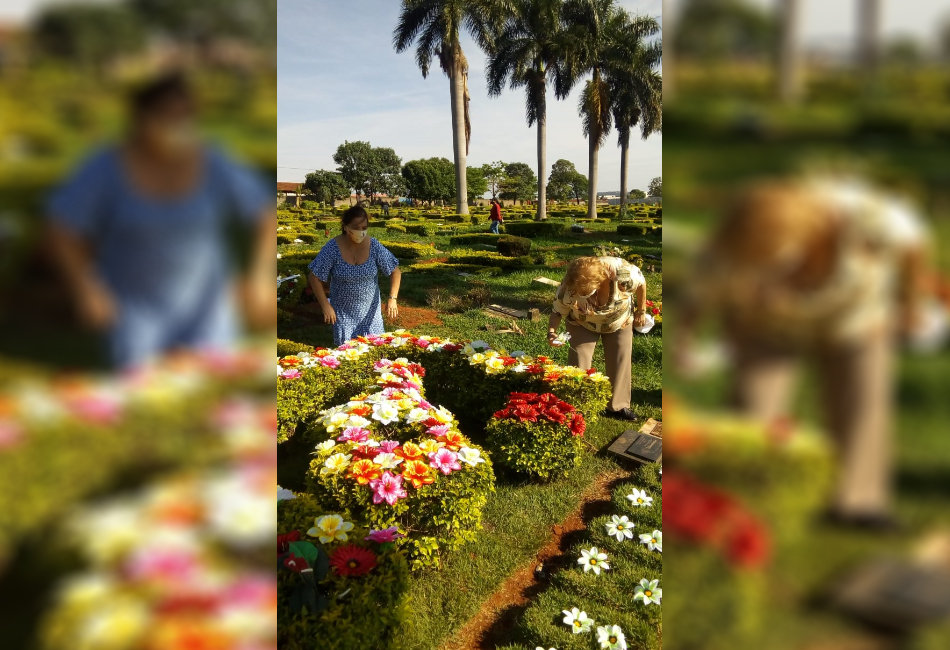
[351, 263]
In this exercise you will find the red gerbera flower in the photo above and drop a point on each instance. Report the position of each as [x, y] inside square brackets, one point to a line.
[577, 425]
[352, 560]
[283, 541]
[296, 564]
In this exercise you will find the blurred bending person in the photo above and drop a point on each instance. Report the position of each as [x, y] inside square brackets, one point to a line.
[829, 270]
[141, 234]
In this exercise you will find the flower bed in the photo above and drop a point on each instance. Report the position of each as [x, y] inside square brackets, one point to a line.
[340, 587]
[309, 383]
[611, 595]
[534, 434]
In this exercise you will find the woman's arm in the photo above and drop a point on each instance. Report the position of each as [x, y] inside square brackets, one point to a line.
[316, 286]
[554, 321]
[259, 290]
[96, 304]
[392, 306]
[640, 308]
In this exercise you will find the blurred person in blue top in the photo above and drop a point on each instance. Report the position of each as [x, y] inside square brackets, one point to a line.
[140, 231]
[351, 263]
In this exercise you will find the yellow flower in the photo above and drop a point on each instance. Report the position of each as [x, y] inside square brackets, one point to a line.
[430, 446]
[336, 464]
[330, 528]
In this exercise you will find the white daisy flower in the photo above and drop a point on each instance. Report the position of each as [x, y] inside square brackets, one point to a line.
[640, 498]
[577, 620]
[593, 560]
[620, 527]
[653, 541]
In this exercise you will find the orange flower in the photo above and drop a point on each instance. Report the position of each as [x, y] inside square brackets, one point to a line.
[364, 471]
[289, 362]
[361, 411]
[410, 452]
[417, 473]
[453, 440]
[552, 375]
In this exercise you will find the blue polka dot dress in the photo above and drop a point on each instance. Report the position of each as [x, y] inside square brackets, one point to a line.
[354, 288]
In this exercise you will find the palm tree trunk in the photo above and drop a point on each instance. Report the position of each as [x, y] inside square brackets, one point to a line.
[869, 24]
[459, 145]
[624, 150]
[542, 164]
[592, 177]
[788, 72]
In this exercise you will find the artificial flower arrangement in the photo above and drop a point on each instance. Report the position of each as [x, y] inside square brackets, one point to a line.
[612, 596]
[392, 458]
[171, 565]
[655, 309]
[311, 381]
[341, 585]
[538, 435]
[91, 428]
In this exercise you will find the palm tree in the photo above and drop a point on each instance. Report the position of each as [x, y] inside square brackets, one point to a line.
[592, 25]
[789, 72]
[435, 27]
[529, 52]
[636, 86]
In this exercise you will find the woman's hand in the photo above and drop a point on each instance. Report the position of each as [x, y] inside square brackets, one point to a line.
[97, 306]
[392, 309]
[552, 334]
[639, 319]
[329, 315]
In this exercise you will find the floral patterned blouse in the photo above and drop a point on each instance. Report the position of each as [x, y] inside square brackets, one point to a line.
[616, 314]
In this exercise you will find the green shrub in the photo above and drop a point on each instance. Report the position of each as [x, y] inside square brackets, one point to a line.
[375, 606]
[285, 237]
[471, 239]
[396, 228]
[423, 229]
[478, 219]
[442, 267]
[286, 347]
[488, 258]
[631, 229]
[551, 446]
[310, 238]
[510, 246]
[409, 250]
[534, 229]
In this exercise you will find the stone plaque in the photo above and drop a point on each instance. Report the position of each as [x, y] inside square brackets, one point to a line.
[640, 446]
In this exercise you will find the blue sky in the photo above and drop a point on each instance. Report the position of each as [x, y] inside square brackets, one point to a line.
[339, 78]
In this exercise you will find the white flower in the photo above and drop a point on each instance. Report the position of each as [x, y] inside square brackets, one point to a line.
[480, 345]
[540, 648]
[387, 461]
[494, 366]
[561, 339]
[326, 445]
[443, 415]
[648, 591]
[476, 358]
[470, 456]
[593, 560]
[336, 421]
[640, 498]
[398, 342]
[283, 494]
[278, 255]
[653, 541]
[356, 421]
[611, 638]
[519, 367]
[620, 527]
[336, 464]
[578, 620]
[417, 415]
[386, 413]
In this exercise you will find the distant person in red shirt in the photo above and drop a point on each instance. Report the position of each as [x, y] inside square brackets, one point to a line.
[496, 219]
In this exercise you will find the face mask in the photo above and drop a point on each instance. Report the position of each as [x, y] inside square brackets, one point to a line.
[356, 236]
[178, 138]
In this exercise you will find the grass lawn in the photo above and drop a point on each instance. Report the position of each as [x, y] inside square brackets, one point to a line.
[519, 516]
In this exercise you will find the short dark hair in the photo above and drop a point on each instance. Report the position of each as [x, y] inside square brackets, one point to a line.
[352, 214]
[156, 91]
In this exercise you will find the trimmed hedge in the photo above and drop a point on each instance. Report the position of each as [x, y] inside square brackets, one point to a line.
[631, 229]
[396, 228]
[287, 347]
[285, 237]
[488, 258]
[537, 228]
[409, 250]
[511, 246]
[423, 229]
[471, 239]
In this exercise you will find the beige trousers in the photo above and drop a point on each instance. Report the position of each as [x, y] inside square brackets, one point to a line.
[618, 351]
[857, 396]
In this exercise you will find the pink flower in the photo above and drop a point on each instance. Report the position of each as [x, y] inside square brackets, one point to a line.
[426, 406]
[382, 363]
[388, 393]
[10, 434]
[97, 409]
[388, 488]
[330, 362]
[384, 536]
[162, 564]
[444, 460]
[439, 430]
[388, 446]
[354, 434]
[290, 373]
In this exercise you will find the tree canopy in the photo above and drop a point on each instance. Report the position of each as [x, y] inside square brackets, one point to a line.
[656, 187]
[429, 179]
[326, 186]
[520, 182]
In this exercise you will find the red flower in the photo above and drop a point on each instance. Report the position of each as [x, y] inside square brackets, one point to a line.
[283, 541]
[577, 425]
[296, 564]
[352, 560]
[509, 361]
[452, 347]
[655, 310]
[535, 369]
[591, 371]
[361, 411]
[365, 451]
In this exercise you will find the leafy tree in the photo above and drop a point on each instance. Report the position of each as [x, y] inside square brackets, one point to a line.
[384, 172]
[559, 182]
[429, 179]
[520, 184]
[355, 163]
[656, 187]
[531, 51]
[714, 30]
[477, 185]
[326, 187]
[636, 87]
[91, 35]
[637, 194]
[435, 26]
[494, 174]
[579, 185]
[254, 21]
